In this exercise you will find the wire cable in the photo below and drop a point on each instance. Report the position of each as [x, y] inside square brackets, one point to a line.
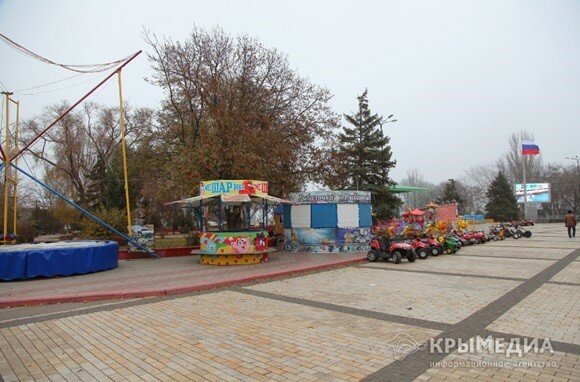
[38, 188]
[2, 115]
[48, 83]
[64, 87]
[79, 68]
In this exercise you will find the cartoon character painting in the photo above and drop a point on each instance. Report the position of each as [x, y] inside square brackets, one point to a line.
[249, 188]
[240, 244]
[348, 237]
[260, 243]
[207, 244]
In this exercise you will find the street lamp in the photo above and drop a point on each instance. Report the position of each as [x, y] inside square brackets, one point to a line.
[577, 159]
[387, 120]
[383, 121]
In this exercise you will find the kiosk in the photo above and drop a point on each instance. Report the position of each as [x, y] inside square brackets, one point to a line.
[225, 211]
[328, 221]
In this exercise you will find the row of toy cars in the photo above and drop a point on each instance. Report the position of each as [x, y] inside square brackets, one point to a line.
[514, 229]
[522, 223]
[394, 248]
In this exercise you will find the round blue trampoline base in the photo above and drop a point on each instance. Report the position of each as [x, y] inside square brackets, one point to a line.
[25, 261]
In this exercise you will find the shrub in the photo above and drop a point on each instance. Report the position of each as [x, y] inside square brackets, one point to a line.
[193, 239]
[115, 217]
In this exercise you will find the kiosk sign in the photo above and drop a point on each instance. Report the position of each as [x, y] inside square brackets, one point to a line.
[233, 187]
[342, 197]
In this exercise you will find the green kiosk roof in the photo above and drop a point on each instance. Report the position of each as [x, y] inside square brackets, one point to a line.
[398, 189]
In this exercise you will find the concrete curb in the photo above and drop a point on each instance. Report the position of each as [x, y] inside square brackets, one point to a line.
[125, 294]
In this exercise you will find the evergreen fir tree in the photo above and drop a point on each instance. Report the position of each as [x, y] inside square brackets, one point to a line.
[367, 158]
[95, 186]
[106, 186]
[114, 192]
[451, 194]
[502, 204]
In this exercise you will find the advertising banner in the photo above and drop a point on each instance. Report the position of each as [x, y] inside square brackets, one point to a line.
[535, 192]
[475, 217]
[327, 240]
[233, 187]
[447, 212]
[227, 243]
[144, 235]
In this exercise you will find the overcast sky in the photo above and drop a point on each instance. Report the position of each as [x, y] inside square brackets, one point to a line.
[459, 76]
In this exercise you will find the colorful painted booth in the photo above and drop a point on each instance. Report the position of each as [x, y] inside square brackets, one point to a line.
[328, 221]
[232, 216]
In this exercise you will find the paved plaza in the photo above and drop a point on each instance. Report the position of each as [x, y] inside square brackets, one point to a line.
[364, 321]
[174, 275]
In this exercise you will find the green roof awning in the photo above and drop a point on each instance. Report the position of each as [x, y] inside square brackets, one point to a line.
[398, 189]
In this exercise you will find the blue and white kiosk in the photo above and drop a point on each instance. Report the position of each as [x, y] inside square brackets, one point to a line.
[328, 221]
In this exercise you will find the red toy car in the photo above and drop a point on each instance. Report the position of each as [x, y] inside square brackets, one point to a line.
[475, 237]
[435, 247]
[383, 248]
[421, 248]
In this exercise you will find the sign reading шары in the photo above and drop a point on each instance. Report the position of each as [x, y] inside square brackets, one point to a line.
[233, 187]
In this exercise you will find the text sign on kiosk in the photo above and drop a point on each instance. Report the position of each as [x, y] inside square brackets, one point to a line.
[342, 197]
[233, 187]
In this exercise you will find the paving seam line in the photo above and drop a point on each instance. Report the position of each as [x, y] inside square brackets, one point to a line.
[381, 316]
[414, 365]
[510, 257]
[445, 273]
[558, 346]
[567, 283]
[530, 247]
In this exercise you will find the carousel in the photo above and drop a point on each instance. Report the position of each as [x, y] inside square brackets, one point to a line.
[232, 216]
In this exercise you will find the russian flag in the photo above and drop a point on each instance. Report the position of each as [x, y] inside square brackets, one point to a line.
[529, 148]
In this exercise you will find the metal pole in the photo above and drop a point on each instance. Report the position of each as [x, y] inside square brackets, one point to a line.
[201, 227]
[6, 166]
[524, 185]
[220, 213]
[265, 214]
[87, 213]
[124, 153]
[577, 159]
[15, 180]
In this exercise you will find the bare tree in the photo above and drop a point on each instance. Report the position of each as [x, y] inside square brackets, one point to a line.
[417, 199]
[476, 181]
[236, 109]
[565, 189]
[82, 141]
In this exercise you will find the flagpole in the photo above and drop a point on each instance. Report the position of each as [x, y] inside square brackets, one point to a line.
[524, 185]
